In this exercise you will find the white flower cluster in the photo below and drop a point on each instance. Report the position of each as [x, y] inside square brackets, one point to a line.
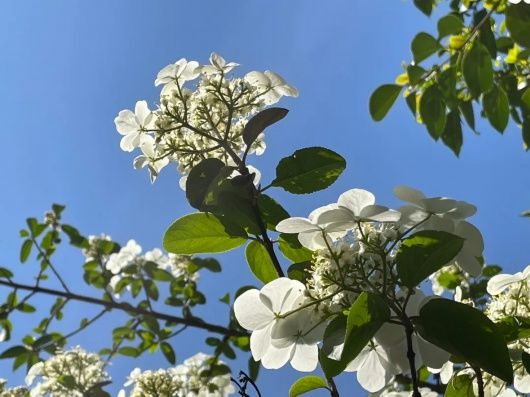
[354, 243]
[130, 255]
[12, 392]
[190, 379]
[93, 251]
[204, 121]
[71, 373]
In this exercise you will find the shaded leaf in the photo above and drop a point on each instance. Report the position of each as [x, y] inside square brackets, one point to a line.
[257, 124]
[449, 24]
[460, 386]
[477, 69]
[518, 23]
[260, 262]
[382, 100]
[497, 108]
[432, 111]
[423, 46]
[452, 135]
[200, 179]
[309, 170]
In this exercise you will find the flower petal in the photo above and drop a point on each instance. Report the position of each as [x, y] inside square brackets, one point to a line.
[305, 357]
[500, 282]
[250, 312]
[295, 225]
[372, 375]
[276, 358]
[409, 194]
[356, 199]
[260, 340]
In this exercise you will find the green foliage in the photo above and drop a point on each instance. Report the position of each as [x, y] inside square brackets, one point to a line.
[460, 386]
[423, 46]
[271, 211]
[307, 384]
[477, 69]
[424, 253]
[367, 314]
[291, 248]
[257, 124]
[382, 100]
[309, 170]
[432, 111]
[518, 23]
[497, 108]
[260, 262]
[202, 233]
[476, 338]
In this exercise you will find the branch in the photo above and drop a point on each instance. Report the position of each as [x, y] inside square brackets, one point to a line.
[125, 307]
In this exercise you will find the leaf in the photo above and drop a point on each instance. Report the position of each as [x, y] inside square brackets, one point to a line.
[497, 108]
[415, 73]
[477, 69]
[306, 384]
[260, 262]
[253, 368]
[424, 253]
[257, 124]
[299, 271]
[271, 211]
[200, 180]
[168, 352]
[525, 358]
[382, 100]
[423, 46]
[424, 6]
[291, 248]
[460, 386]
[525, 99]
[333, 337]
[448, 25]
[5, 273]
[465, 331]
[486, 35]
[309, 170]
[129, 351]
[367, 314]
[202, 233]
[432, 111]
[466, 108]
[25, 250]
[452, 135]
[14, 351]
[518, 23]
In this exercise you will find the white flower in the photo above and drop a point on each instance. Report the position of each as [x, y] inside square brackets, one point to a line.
[358, 205]
[295, 338]
[133, 125]
[373, 366]
[258, 311]
[500, 282]
[311, 230]
[180, 72]
[151, 158]
[272, 85]
[218, 65]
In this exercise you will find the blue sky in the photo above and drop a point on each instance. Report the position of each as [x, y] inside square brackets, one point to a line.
[68, 67]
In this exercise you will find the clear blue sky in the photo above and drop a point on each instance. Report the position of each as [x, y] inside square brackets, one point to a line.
[68, 67]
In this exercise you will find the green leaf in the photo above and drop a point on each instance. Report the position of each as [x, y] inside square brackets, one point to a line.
[432, 111]
[525, 99]
[486, 35]
[382, 100]
[452, 136]
[129, 351]
[448, 25]
[260, 262]
[525, 358]
[415, 73]
[25, 250]
[291, 248]
[466, 108]
[253, 368]
[424, 6]
[333, 336]
[477, 69]
[257, 124]
[5, 273]
[306, 384]
[460, 386]
[200, 179]
[514, 328]
[309, 170]
[271, 211]
[497, 108]
[13, 352]
[424, 253]
[423, 46]
[299, 271]
[168, 352]
[202, 233]
[518, 23]
[465, 331]
[367, 314]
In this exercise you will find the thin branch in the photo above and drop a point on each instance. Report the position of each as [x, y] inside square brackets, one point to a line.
[125, 307]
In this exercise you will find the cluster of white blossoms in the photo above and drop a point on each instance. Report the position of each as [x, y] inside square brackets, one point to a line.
[71, 373]
[354, 244]
[128, 262]
[201, 114]
[12, 392]
[190, 379]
